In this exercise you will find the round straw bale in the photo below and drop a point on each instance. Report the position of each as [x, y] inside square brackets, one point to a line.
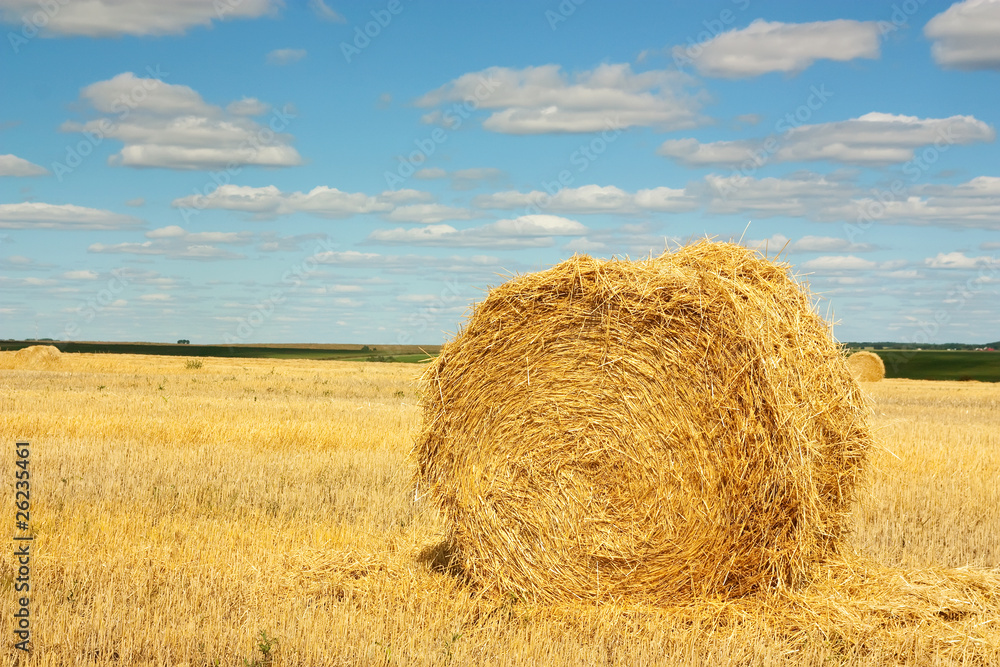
[684, 425]
[866, 366]
[38, 355]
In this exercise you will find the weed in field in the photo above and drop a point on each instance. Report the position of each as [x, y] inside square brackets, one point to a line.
[265, 645]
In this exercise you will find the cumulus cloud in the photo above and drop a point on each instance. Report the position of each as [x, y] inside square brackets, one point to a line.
[591, 199]
[113, 18]
[809, 243]
[36, 215]
[429, 213]
[974, 204]
[483, 265]
[806, 195]
[285, 56]
[11, 165]
[966, 35]
[268, 201]
[958, 260]
[532, 231]
[585, 245]
[177, 243]
[171, 126]
[248, 106]
[766, 46]
[537, 100]
[839, 263]
[186, 251]
[85, 274]
[871, 139]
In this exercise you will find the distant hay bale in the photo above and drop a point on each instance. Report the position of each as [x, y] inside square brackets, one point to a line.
[866, 366]
[679, 426]
[35, 356]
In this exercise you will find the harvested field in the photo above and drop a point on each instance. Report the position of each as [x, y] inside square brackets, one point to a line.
[179, 513]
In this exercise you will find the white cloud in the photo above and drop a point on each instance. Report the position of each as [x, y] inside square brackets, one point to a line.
[966, 35]
[478, 174]
[248, 106]
[429, 213]
[113, 18]
[167, 249]
[30, 281]
[430, 173]
[585, 245]
[975, 203]
[160, 296]
[469, 179]
[526, 231]
[171, 126]
[11, 165]
[872, 139]
[179, 233]
[483, 265]
[909, 274]
[269, 201]
[537, 100]
[958, 260]
[321, 10]
[463, 179]
[807, 195]
[839, 263]
[418, 298]
[766, 46]
[780, 242]
[135, 203]
[36, 215]
[85, 274]
[178, 243]
[591, 199]
[285, 56]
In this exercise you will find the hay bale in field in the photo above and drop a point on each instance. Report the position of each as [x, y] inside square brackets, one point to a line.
[684, 425]
[38, 356]
[866, 366]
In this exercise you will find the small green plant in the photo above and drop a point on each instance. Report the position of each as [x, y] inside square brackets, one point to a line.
[388, 651]
[449, 646]
[101, 387]
[265, 645]
[399, 394]
[194, 363]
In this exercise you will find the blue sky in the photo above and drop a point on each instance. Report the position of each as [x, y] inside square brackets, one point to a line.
[307, 171]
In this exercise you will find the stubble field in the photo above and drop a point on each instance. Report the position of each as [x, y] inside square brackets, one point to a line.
[262, 512]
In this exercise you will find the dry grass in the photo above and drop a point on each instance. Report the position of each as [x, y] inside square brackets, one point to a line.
[179, 512]
[866, 366]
